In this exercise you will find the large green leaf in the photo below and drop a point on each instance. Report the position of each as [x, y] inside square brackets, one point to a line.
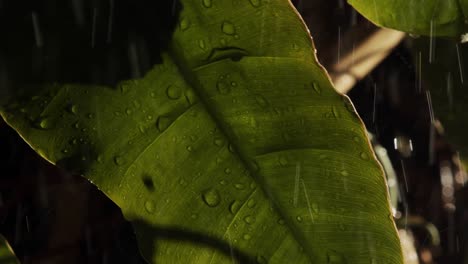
[6, 253]
[424, 17]
[237, 146]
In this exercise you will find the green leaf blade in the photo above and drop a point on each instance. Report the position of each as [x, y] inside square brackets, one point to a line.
[235, 147]
[431, 18]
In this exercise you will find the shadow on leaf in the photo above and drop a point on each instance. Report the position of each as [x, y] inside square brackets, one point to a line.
[148, 242]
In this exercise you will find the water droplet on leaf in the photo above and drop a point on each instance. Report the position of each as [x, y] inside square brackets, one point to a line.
[364, 156]
[261, 101]
[184, 24]
[249, 219]
[335, 258]
[234, 207]
[118, 160]
[223, 87]
[261, 259]
[218, 142]
[173, 92]
[211, 197]
[255, 3]
[149, 206]
[239, 186]
[206, 3]
[251, 203]
[228, 28]
[201, 44]
[317, 88]
[283, 161]
[162, 123]
[44, 123]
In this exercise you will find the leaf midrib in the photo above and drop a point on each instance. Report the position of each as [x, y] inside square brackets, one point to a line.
[188, 77]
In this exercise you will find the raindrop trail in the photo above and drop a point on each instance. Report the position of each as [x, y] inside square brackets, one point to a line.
[174, 5]
[339, 45]
[340, 4]
[307, 200]
[296, 183]
[353, 54]
[431, 128]
[463, 174]
[449, 89]
[406, 216]
[374, 104]
[375, 10]
[404, 174]
[353, 18]
[431, 43]
[419, 72]
[37, 29]
[78, 11]
[134, 60]
[299, 6]
[230, 248]
[93, 30]
[459, 63]
[27, 223]
[429, 104]
[109, 23]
